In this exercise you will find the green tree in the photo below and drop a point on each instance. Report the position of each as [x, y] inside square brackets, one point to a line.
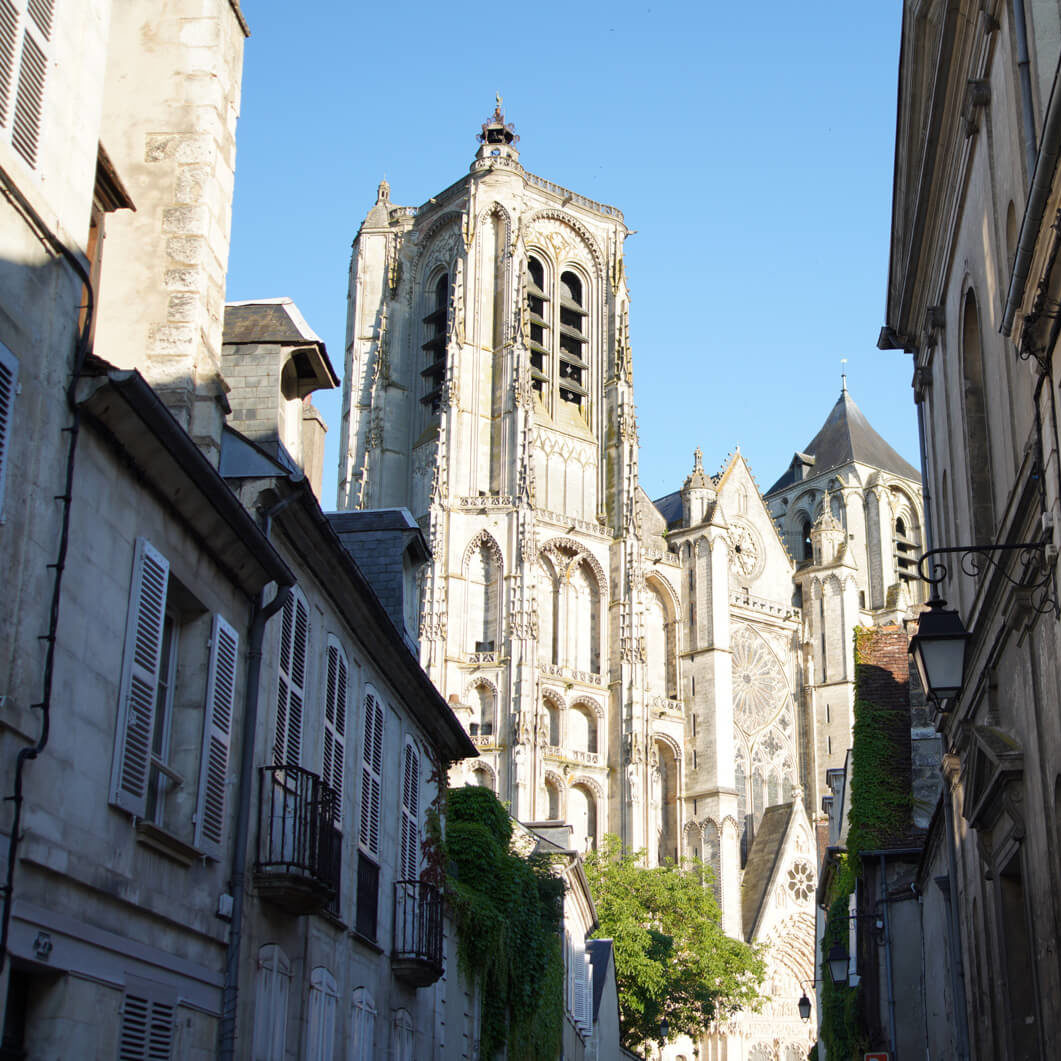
[672, 958]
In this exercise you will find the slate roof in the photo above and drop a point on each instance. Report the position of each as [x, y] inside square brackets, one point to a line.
[766, 849]
[267, 320]
[847, 436]
[600, 953]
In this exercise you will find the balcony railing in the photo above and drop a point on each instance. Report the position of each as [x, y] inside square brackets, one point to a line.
[416, 957]
[299, 847]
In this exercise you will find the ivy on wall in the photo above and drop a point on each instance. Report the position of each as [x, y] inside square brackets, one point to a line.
[879, 809]
[508, 911]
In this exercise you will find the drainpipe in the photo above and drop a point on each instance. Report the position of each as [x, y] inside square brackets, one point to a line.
[888, 954]
[1020, 27]
[226, 1035]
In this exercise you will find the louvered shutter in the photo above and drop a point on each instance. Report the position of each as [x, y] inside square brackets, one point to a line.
[410, 833]
[291, 683]
[578, 964]
[147, 1030]
[371, 775]
[320, 1032]
[335, 724]
[270, 1004]
[25, 31]
[217, 731]
[8, 380]
[136, 709]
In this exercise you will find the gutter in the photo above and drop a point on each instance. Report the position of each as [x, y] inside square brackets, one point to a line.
[1038, 195]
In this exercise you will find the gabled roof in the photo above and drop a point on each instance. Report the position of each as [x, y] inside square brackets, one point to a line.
[846, 436]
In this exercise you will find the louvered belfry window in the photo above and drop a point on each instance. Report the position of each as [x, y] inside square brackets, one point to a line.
[8, 384]
[25, 35]
[410, 833]
[434, 346]
[371, 775]
[291, 683]
[335, 724]
[538, 320]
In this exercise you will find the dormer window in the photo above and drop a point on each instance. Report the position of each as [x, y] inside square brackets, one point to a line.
[434, 346]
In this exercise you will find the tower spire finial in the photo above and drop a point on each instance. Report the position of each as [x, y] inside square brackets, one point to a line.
[843, 375]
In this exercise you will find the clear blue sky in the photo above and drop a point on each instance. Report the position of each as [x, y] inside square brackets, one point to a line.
[750, 146]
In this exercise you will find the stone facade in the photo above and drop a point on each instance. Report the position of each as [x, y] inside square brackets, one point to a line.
[972, 296]
[627, 666]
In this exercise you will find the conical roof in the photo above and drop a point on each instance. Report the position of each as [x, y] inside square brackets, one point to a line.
[846, 436]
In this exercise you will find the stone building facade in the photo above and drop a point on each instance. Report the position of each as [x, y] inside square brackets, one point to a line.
[627, 666]
[972, 295]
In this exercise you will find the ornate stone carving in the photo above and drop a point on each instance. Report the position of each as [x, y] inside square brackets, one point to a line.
[760, 688]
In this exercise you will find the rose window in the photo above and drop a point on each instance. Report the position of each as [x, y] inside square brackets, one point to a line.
[801, 881]
[759, 685]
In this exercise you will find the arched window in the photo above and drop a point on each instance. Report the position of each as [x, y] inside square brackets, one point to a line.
[320, 1025]
[552, 797]
[905, 552]
[484, 599]
[808, 548]
[483, 778]
[402, 1036]
[483, 712]
[548, 612]
[582, 817]
[582, 729]
[583, 627]
[573, 364]
[557, 339]
[977, 442]
[552, 720]
[656, 631]
[271, 989]
[434, 345]
[538, 317]
[362, 1026]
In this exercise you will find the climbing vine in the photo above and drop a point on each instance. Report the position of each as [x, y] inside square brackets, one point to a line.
[880, 806]
[508, 911]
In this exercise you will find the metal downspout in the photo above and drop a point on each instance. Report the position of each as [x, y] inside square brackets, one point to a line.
[926, 493]
[888, 954]
[1020, 27]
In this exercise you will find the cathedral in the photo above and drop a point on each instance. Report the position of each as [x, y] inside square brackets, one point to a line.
[678, 672]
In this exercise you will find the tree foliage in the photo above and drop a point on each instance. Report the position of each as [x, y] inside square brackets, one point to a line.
[508, 911]
[672, 958]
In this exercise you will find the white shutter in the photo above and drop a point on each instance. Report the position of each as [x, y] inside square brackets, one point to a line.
[217, 730]
[291, 684]
[320, 1028]
[147, 1029]
[335, 724]
[409, 853]
[578, 970]
[270, 1004]
[25, 29]
[587, 996]
[136, 707]
[371, 775]
[362, 1026]
[8, 363]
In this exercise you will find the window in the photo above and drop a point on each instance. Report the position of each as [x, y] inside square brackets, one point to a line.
[409, 852]
[147, 1027]
[320, 1027]
[362, 1026]
[25, 30]
[156, 716]
[484, 593]
[8, 385]
[582, 728]
[977, 434]
[335, 724]
[402, 1047]
[557, 337]
[434, 346]
[291, 682]
[482, 724]
[271, 988]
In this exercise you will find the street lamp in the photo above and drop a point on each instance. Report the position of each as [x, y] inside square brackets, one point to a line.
[837, 961]
[938, 649]
[803, 1005]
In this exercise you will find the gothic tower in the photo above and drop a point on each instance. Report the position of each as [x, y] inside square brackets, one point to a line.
[489, 390]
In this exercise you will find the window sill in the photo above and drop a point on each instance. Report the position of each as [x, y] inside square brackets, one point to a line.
[334, 919]
[155, 837]
[371, 944]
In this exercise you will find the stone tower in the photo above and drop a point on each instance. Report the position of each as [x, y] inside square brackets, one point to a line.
[489, 390]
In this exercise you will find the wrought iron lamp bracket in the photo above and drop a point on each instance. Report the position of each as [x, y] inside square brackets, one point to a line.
[1034, 559]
